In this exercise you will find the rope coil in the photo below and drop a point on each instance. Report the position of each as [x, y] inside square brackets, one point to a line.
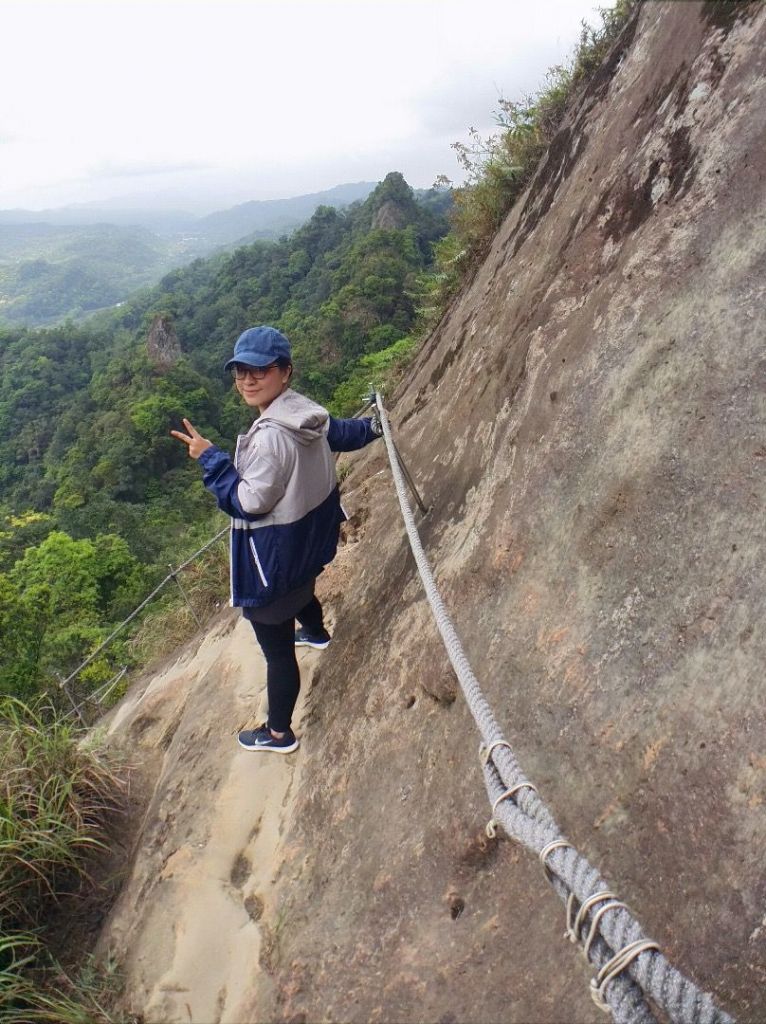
[486, 752]
[492, 824]
[556, 844]
[614, 905]
[613, 967]
[573, 929]
[615, 944]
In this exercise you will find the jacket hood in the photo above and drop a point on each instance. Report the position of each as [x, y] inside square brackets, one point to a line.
[306, 420]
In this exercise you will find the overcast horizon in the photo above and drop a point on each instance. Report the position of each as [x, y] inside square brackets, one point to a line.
[198, 106]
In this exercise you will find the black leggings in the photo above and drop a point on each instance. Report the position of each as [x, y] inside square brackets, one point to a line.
[283, 680]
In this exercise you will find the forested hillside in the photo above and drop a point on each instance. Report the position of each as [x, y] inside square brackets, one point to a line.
[95, 496]
[51, 271]
[68, 263]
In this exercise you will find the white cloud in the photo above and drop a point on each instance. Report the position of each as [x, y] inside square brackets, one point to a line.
[142, 168]
[110, 95]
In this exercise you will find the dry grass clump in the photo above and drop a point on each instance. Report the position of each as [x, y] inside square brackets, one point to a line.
[57, 799]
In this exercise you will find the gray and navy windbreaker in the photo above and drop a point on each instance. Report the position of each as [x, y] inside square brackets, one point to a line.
[282, 495]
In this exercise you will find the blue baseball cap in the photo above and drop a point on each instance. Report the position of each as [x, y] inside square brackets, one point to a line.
[260, 346]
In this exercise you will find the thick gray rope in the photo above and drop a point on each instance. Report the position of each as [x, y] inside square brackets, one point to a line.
[526, 819]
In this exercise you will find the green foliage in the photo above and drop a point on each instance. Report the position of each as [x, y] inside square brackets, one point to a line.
[21, 621]
[19, 532]
[378, 371]
[56, 604]
[433, 290]
[83, 579]
[50, 272]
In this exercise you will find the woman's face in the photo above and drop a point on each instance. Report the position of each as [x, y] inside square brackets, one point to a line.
[260, 390]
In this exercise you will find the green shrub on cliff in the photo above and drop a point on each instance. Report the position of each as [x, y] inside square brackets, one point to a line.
[58, 602]
[380, 369]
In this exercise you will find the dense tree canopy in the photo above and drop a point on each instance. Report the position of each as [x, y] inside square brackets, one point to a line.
[96, 497]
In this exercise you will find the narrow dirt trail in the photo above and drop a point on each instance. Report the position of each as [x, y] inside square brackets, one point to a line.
[192, 925]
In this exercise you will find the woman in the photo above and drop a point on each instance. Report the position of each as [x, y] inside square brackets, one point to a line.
[282, 494]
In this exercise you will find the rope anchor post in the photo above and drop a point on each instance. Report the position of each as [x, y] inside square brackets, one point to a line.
[76, 708]
[174, 575]
[420, 503]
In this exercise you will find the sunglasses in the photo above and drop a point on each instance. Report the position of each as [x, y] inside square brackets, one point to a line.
[240, 371]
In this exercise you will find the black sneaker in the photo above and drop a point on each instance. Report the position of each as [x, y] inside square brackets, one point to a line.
[261, 739]
[318, 640]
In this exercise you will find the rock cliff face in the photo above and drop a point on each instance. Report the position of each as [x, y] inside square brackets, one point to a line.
[389, 217]
[588, 425]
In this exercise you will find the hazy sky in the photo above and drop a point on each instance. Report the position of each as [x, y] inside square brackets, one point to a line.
[203, 104]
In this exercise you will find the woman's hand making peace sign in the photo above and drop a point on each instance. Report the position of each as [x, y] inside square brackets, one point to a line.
[196, 442]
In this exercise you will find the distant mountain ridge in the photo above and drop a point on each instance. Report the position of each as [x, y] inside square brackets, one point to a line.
[71, 261]
[275, 216]
[272, 216]
[86, 215]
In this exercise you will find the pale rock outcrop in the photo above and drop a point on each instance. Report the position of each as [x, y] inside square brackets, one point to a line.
[389, 217]
[162, 344]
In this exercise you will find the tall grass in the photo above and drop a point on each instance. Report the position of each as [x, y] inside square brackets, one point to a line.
[32, 992]
[57, 799]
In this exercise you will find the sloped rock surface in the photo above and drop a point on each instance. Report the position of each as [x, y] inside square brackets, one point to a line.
[192, 929]
[588, 424]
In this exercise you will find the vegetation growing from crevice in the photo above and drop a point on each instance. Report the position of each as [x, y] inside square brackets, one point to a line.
[499, 168]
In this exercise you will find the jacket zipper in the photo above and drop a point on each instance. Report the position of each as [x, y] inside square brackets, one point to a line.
[258, 565]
